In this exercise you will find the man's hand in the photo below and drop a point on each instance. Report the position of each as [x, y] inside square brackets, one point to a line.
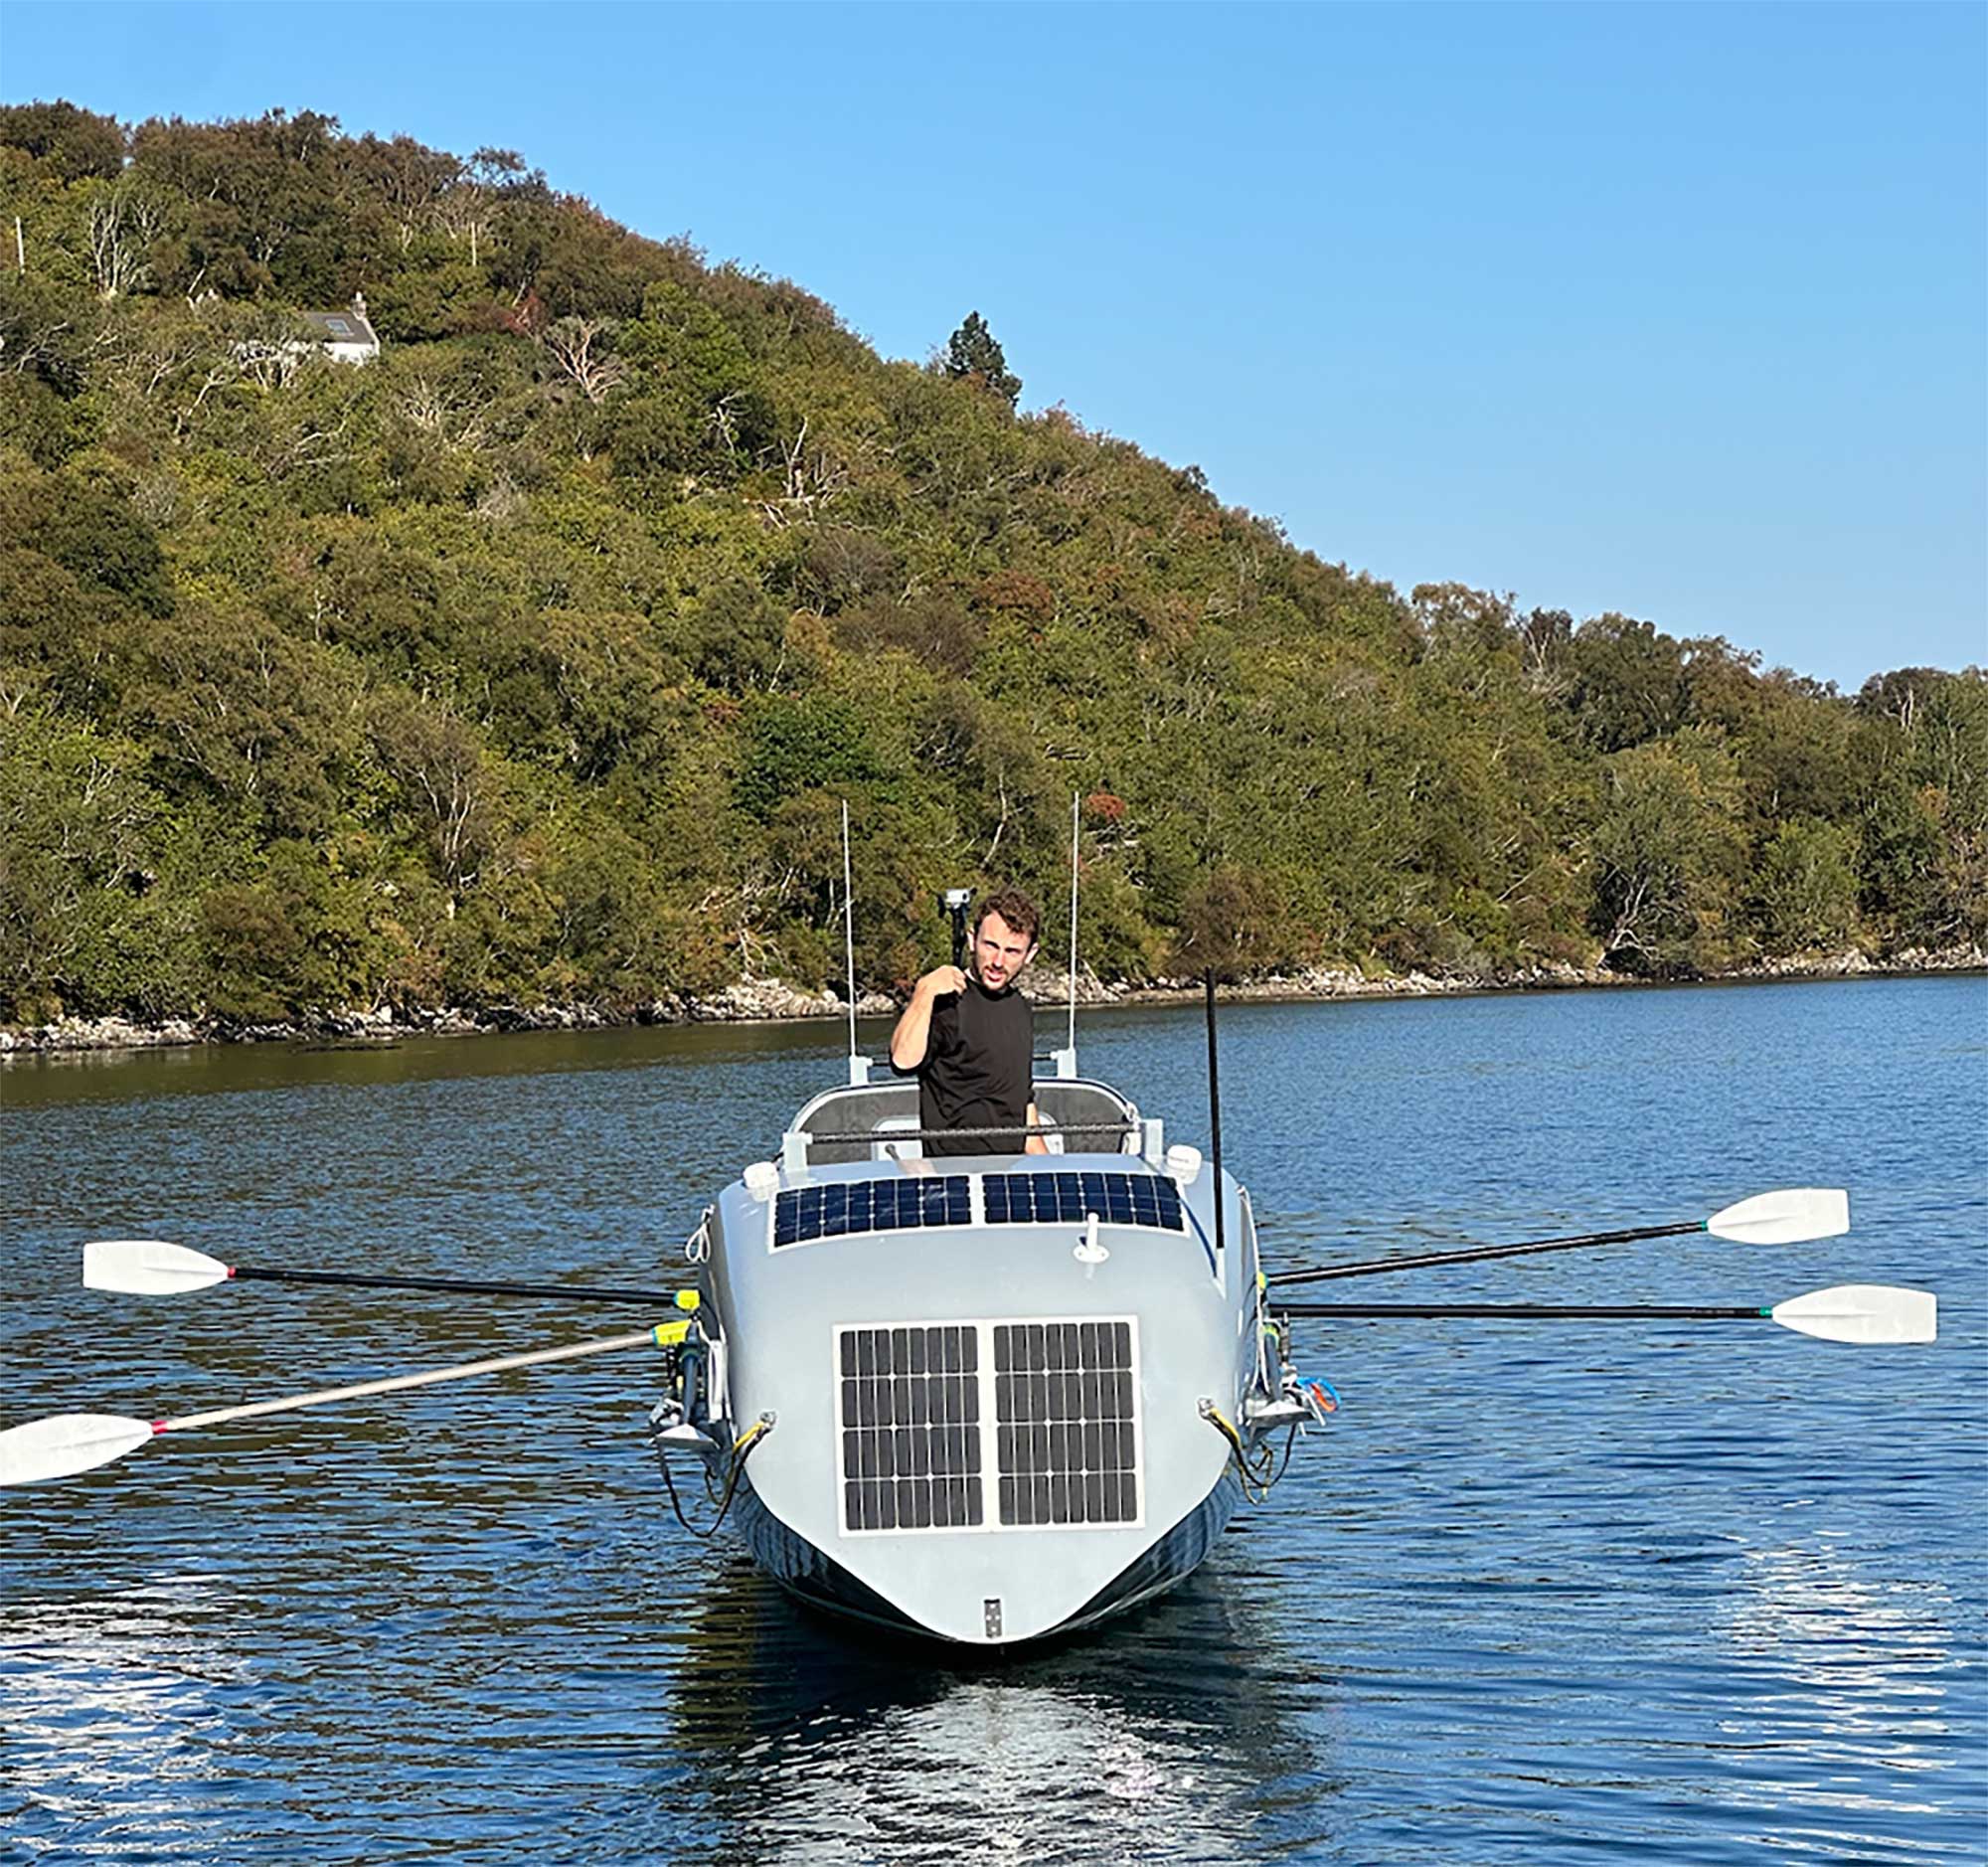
[914, 1032]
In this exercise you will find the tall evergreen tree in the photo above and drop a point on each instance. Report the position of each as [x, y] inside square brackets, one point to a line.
[973, 352]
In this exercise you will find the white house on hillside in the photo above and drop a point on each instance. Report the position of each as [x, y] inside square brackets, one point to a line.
[346, 336]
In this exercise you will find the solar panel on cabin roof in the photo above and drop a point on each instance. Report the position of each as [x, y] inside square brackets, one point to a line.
[839, 1207]
[1071, 1198]
[904, 1203]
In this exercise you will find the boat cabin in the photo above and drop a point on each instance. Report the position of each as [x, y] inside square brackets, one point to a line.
[880, 1121]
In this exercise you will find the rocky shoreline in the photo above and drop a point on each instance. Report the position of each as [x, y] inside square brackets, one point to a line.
[766, 1001]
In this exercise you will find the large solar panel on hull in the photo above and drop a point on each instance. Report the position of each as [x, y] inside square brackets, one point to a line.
[900, 1204]
[910, 1426]
[1065, 1394]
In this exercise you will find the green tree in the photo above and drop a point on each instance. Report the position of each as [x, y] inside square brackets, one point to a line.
[1667, 851]
[98, 880]
[92, 532]
[1803, 897]
[1926, 816]
[74, 143]
[973, 355]
[1630, 682]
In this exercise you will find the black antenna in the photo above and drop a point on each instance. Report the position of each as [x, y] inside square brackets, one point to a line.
[1214, 1112]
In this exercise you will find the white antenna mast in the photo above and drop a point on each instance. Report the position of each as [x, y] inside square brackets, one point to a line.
[1067, 1059]
[859, 1067]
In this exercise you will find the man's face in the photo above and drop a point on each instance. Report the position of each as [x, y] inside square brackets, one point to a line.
[999, 953]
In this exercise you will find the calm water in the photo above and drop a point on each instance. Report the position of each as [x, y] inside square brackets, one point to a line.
[1544, 1593]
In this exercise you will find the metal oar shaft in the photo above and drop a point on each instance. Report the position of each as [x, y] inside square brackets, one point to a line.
[465, 1287]
[394, 1384]
[1481, 1254]
[1608, 1312]
[67, 1443]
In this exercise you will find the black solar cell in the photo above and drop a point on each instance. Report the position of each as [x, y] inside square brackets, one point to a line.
[1064, 1403]
[1071, 1198]
[841, 1208]
[911, 1427]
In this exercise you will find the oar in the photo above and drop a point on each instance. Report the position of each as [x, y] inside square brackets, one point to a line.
[150, 1267]
[1784, 1218]
[1865, 1314]
[66, 1443]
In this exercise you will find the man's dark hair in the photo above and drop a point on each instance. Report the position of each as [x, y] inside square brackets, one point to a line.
[1013, 907]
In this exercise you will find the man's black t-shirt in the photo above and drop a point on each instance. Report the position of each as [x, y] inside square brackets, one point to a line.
[978, 1068]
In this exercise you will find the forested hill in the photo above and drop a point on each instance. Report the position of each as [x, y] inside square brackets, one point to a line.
[530, 662]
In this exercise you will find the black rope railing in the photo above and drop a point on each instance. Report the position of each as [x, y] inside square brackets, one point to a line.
[865, 1136]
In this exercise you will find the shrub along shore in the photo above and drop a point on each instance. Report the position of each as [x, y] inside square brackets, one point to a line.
[769, 1001]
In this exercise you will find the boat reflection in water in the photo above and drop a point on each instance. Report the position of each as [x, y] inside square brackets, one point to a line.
[809, 1738]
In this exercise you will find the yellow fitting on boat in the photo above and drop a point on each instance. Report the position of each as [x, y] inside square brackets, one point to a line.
[688, 1299]
[671, 1334]
[1220, 1422]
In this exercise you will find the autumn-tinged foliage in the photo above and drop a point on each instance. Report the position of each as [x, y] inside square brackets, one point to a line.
[530, 661]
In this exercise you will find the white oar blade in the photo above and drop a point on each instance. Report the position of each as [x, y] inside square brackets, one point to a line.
[1862, 1313]
[147, 1267]
[67, 1443]
[1788, 1217]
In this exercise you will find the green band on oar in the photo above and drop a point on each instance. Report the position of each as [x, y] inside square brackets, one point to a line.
[1788, 1217]
[67, 1443]
[150, 1267]
[1865, 1313]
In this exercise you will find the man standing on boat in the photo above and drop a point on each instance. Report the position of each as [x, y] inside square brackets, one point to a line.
[969, 1036]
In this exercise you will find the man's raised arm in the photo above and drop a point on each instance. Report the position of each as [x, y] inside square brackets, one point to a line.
[914, 1032]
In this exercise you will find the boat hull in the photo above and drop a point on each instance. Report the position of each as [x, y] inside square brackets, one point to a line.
[995, 1399]
[814, 1578]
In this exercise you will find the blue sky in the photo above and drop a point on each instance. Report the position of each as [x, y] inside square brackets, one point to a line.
[1676, 310]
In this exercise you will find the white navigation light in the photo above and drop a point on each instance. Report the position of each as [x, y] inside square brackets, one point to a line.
[763, 1179]
[1183, 1162]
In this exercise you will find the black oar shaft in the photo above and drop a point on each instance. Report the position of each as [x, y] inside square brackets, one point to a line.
[1554, 1312]
[465, 1287]
[1481, 1254]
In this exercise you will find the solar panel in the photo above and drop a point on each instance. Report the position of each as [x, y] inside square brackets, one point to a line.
[910, 1426]
[921, 1202]
[903, 1203]
[1066, 1404]
[1069, 1198]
